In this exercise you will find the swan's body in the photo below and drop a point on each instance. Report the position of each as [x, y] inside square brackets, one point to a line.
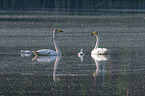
[99, 51]
[49, 52]
[96, 50]
[46, 52]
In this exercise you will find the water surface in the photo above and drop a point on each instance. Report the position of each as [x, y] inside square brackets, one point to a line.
[121, 73]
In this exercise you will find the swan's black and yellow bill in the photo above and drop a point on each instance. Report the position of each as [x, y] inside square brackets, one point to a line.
[59, 30]
[93, 33]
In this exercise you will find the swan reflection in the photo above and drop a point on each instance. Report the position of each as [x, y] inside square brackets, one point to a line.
[97, 59]
[49, 59]
[55, 67]
[25, 55]
[44, 59]
[81, 54]
[81, 57]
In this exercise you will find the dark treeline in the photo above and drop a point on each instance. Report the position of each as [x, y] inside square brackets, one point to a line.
[71, 4]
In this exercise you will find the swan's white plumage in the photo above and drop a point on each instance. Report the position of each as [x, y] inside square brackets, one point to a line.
[46, 52]
[99, 51]
[96, 50]
[49, 52]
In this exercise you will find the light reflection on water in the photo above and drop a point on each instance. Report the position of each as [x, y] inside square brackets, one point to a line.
[66, 75]
[120, 73]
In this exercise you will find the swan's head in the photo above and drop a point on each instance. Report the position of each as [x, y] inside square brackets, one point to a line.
[82, 50]
[57, 31]
[95, 33]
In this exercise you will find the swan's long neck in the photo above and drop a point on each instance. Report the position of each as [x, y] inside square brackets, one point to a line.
[55, 44]
[97, 42]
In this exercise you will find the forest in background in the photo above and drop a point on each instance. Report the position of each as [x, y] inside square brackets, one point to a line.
[71, 4]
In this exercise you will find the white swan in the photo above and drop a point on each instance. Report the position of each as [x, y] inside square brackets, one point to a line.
[49, 52]
[96, 50]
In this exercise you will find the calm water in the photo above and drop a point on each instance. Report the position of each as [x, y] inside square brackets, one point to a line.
[120, 74]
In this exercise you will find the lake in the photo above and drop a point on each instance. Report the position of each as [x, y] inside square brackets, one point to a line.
[119, 74]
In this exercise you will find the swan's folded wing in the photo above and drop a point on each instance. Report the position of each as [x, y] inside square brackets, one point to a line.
[43, 52]
[104, 51]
